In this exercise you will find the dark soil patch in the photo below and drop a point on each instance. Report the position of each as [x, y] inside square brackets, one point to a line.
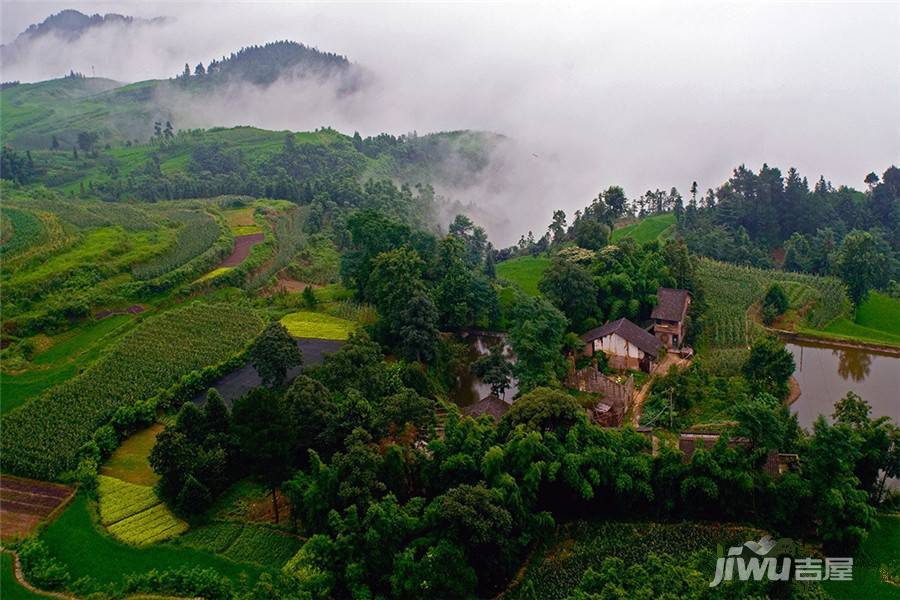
[24, 503]
[242, 246]
[237, 383]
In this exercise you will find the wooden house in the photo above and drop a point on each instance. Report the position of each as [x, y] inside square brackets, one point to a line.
[625, 344]
[669, 316]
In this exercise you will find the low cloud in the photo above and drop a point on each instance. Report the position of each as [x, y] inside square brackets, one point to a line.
[642, 95]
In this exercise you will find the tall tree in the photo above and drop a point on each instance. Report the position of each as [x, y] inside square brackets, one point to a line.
[571, 289]
[769, 367]
[273, 353]
[862, 263]
[536, 336]
[265, 437]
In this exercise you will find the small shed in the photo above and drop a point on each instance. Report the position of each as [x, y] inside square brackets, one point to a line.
[669, 316]
[626, 345]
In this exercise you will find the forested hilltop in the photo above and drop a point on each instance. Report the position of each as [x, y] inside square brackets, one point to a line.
[233, 361]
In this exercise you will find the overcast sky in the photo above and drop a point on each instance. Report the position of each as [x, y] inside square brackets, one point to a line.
[639, 94]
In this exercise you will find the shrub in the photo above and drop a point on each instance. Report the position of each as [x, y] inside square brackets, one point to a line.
[41, 569]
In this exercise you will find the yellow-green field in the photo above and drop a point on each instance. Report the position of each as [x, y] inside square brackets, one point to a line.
[134, 514]
[214, 273]
[240, 221]
[129, 462]
[309, 324]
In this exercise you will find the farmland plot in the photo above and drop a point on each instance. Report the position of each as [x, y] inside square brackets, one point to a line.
[24, 503]
[731, 290]
[42, 437]
[134, 513]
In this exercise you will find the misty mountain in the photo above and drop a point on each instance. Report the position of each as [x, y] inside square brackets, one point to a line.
[263, 65]
[35, 113]
[68, 25]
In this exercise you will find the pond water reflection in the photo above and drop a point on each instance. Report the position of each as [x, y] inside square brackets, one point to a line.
[826, 373]
[469, 389]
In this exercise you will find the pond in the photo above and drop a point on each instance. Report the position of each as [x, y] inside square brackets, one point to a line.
[469, 389]
[826, 373]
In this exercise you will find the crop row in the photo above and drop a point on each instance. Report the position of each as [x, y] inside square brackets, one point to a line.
[215, 537]
[263, 545]
[120, 499]
[86, 214]
[198, 232]
[152, 525]
[22, 228]
[731, 290]
[41, 439]
[289, 237]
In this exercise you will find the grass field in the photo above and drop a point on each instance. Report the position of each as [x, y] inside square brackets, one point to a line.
[525, 272]
[68, 353]
[880, 549]
[309, 324]
[76, 541]
[11, 588]
[877, 320]
[129, 462]
[647, 229]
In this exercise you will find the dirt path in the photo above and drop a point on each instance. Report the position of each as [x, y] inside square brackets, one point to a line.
[242, 246]
[661, 369]
[20, 578]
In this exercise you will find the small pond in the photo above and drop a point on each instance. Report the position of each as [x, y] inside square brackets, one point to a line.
[826, 373]
[469, 389]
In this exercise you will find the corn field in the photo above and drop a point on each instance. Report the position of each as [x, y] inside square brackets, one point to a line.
[41, 438]
[731, 290]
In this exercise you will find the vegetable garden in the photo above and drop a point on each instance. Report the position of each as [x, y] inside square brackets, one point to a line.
[41, 438]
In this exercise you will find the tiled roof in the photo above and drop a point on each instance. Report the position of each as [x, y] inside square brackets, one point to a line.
[489, 405]
[627, 330]
[672, 304]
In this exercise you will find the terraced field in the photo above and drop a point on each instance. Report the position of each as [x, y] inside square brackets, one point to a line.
[239, 541]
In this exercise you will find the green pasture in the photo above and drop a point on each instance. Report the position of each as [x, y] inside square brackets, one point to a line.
[524, 271]
[647, 229]
[11, 588]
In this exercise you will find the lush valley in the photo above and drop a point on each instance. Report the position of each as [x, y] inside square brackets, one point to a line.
[231, 360]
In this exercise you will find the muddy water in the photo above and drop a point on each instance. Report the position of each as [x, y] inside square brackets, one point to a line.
[469, 389]
[826, 373]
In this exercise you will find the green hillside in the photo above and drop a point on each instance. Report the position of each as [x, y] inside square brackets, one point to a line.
[647, 229]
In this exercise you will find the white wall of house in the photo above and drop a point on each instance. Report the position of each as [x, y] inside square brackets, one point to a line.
[619, 346]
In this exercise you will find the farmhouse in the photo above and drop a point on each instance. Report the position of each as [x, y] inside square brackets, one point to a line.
[626, 345]
[489, 405]
[669, 315]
